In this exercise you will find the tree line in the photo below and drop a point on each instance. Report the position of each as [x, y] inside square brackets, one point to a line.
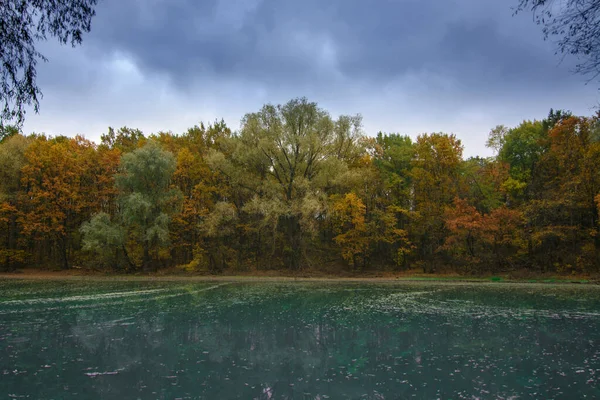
[295, 188]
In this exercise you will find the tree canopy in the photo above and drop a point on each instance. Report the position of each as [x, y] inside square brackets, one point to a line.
[296, 188]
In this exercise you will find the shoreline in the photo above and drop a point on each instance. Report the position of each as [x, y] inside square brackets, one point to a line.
[407, 277]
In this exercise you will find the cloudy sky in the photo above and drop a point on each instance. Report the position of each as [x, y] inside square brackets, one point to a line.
[408, 66]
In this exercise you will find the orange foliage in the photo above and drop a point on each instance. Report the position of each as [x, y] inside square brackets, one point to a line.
[349, 212]
[65, 180]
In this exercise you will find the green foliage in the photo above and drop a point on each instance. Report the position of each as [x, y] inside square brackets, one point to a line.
[522, 148]
[125, 139]
[101, 234]
[393, 157]
[103, 238]
[146, 202]
[280, 163]
[483, 182]
[297, 188]
[7, 132]
[497, 138]
[12, 159]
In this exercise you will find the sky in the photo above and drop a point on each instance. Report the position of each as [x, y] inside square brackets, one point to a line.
[407, 66]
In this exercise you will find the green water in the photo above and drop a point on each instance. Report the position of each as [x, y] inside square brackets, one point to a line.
[166, 340]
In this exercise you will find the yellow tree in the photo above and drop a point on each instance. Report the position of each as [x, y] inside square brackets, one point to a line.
[201, 187]
[563, 213]
[56, 196]
[436, 182]
[353, 239]
[12, 159]
[193, 177]
[388, 232]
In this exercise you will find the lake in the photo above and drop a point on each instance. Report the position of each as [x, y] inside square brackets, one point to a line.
[298, 340]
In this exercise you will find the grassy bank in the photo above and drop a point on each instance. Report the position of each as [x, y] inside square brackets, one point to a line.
[417, 276]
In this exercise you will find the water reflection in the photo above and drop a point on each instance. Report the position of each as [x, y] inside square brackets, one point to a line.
[300, 341]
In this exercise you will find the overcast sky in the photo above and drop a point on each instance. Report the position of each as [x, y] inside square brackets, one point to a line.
[455, 66]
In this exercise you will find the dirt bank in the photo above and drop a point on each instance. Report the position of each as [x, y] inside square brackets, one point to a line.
[177, 275]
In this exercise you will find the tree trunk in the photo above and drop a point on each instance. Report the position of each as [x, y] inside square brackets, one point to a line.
[294, 239]
[146, 261]
[130, 264]
[11, 245]
[64, 258]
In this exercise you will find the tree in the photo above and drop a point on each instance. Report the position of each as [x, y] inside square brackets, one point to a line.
[203, 189]
[7, 132]
[205, 201]
[436, 182]
[483, 180]
[105, 239]
[496, 138]
[146, 202]
[125, 139]
[465, 225]
[521, 148]
[577, 25]
[56, 196]
[353, 237]
[393, 157]
[23, 23]
[563, 216]
[554, 117]
[281, 163]
[480, 241]
[12, 160]
[388, 233]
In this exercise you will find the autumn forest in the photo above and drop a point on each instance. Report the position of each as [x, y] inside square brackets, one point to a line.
[296, 189]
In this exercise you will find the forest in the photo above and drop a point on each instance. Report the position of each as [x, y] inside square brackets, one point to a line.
[295, 189]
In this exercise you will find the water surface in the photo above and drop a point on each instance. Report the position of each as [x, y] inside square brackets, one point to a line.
[220, 340]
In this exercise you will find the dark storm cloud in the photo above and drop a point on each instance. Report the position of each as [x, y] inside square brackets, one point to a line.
[408, 66]
[311, 41]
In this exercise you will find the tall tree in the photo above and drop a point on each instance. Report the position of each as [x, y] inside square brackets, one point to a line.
[146, 203]
[563, 215]
[353, 236]
[436, 182]
[55, 198]
[12, 160]
[125, 139]
[479, 242]
[393, 156]
[521, 149]
[283, 158]
[204, 195]
[483, 180]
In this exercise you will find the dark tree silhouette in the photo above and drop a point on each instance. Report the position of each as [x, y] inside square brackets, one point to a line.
[24, 23]
[576, 25]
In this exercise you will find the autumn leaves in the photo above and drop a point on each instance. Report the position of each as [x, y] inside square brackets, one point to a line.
[295, 188]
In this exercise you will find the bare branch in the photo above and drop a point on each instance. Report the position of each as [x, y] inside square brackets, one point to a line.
[22, 24]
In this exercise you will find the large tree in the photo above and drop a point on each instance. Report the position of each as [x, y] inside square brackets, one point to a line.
[12, 160]
[23, 24]
[284, 158]
[436, 182]
[146, 203]
[57, 194]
